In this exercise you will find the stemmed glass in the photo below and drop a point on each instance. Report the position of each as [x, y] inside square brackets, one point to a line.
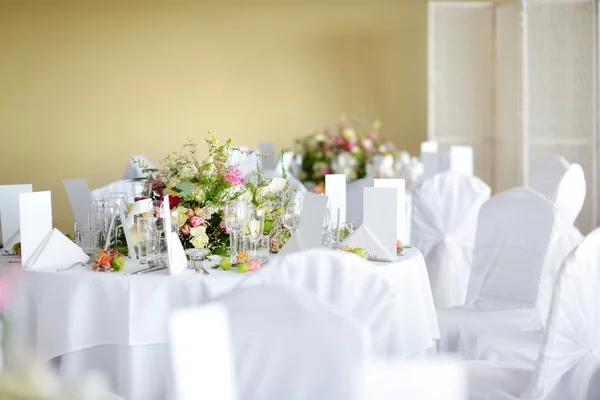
[141, 190]
[255, 228]
[291, 215]
[236, 213]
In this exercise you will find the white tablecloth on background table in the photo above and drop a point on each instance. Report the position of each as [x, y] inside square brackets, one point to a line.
[118, 324]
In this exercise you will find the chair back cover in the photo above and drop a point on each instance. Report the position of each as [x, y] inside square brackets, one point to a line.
[290, 345]
[563, 184]
[118, 186]
[445, 211]
[515, 236]
[203, 365]
[354, 199]
[346, 282]
[133, 170]
[570, 352]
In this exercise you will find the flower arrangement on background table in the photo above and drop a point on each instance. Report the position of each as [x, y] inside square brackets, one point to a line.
[343, 150]
[199, 191]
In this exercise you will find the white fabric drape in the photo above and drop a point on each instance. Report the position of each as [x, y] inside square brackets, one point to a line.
[445, 212]
[512, 256]
[133, 170]
[123, 186]
[568, 355]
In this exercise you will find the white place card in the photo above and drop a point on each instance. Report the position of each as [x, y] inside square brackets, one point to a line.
[128, 238]
[35, 214]
[429, 158]
[310, 230]
[212, 357]
[354, 199]
[9, 213]
[80, 199]
[56, 250]
[381, 216]
[443, 162]
[139, 207]
[335, 189]
[176, 254]
[461, 159]
[400, 185]
[269, 160]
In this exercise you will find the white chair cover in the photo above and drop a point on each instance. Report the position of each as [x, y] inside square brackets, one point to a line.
[354, 200]
[445, 212]
[289, 345]
[569, 356]
[202, 359]
[347, 282]
[118, 186]
[508, 285]
[133, 170]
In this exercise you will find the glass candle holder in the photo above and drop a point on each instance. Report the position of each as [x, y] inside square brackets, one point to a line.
[257, 248]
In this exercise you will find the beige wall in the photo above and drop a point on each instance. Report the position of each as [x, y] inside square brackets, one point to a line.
[84, 85]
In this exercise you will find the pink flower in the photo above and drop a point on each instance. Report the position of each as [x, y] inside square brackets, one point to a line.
[198, 212]
[253, 265]
[222, 226]
[372, 135]
[190, 213]
[234, 175]
[195, 221]
[185, 230]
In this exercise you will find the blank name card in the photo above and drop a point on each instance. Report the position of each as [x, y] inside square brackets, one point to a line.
[335, 190]
[429, 158]
[381, 215]
[35, 211]
[9, 213]
[80, 199]
[461, 159]
[400, 186]
[311, 222]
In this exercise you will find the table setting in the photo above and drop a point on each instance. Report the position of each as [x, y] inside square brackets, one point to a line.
[196, 230]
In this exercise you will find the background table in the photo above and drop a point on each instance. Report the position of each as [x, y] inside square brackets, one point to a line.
[118, 324]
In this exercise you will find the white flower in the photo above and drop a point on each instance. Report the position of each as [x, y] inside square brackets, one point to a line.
[188, 171]
[320, 138]
[349, 134]
[200, 238]
[381, 166]
[198, 193]
[404, 157]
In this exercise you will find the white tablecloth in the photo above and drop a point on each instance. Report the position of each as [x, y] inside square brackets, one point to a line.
[118, 323]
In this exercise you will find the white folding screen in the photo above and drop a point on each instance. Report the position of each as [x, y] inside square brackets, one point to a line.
[460, 74]
[542, 87]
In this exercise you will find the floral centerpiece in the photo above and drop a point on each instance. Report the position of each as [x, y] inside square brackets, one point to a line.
[340, 151]
[199, 190]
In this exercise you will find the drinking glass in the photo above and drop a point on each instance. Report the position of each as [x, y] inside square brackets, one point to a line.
[326, 236]
[335, 227]
[141, 190]
[258, 248]
[153, 249]
[175, 220]
[117, 199]
[256, 223]
[89, 241]
[291, 215]
[146, 229]
[236, 213]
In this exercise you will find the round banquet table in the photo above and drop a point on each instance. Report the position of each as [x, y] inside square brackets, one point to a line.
[118, 324]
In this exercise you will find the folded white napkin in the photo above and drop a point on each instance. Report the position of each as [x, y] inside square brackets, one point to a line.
[364, 238]
[56, 250]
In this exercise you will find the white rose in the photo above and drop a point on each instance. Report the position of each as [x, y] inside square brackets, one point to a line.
[200, 238]
[349, 134]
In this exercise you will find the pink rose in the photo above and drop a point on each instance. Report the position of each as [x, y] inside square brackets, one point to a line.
[190, 213]
[234, 175]
[195, 221]
[253, 265]
[185, 230]
[198, 212]
[224, 227]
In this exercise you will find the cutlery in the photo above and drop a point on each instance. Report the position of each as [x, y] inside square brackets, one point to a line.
[379, 259]
[70, 266]
[147, 271]
[141, 271]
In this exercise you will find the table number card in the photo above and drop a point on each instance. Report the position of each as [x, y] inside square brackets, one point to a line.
[35, 212]
[461, 159]
[400, 185]
[176, 254]
[310, 229]
[429, 158]
[335, 189]
[80, 199]
[9, 213]
[381, 216]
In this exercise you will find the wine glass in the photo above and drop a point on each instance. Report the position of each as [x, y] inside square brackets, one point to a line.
[235, 217]
[291, 216]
